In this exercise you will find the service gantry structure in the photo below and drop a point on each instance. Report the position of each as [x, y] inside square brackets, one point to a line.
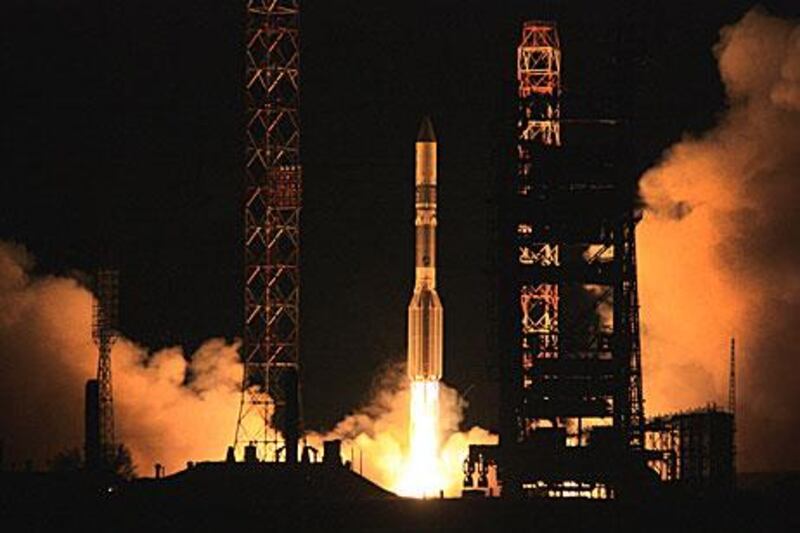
[269, 415]
[571, 413]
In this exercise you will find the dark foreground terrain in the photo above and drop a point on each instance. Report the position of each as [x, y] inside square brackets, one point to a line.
[213, 497]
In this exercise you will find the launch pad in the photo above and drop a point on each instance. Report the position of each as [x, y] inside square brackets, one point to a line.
[566, 310]
[566, 333]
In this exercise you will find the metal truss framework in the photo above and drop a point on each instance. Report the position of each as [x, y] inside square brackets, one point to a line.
[104, 332]
[539, 77]
[272, 229]
[571, 397]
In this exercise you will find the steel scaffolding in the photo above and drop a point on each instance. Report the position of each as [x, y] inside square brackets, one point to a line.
[104, 332]
[268, 415]
[571, 420]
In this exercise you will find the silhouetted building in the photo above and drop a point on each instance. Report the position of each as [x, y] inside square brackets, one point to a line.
[694, 449]
[332, 452]
[91, 440]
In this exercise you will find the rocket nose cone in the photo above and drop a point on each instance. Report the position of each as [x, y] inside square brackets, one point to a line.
[426, 134]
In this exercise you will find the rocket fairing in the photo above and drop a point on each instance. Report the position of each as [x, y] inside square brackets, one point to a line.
[425, 312]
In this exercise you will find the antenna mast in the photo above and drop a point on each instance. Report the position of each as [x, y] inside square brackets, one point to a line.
[104, 333]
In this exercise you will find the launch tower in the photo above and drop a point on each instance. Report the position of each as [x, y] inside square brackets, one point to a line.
[571, 420]
[269, 411]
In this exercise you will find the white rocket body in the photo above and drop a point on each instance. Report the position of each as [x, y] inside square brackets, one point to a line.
[425, 312]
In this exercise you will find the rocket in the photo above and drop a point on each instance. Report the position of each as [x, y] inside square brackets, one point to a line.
[425, 312]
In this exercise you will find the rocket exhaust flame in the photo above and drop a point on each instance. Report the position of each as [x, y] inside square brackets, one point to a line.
[388, 436]
[422, 476]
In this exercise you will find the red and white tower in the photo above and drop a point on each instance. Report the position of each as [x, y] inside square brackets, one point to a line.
[269, 411]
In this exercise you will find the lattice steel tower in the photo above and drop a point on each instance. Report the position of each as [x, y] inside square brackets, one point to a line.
[571, 397]
[269, 412]
[104, 333]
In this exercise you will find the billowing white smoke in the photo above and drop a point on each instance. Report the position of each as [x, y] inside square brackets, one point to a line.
[720, 248]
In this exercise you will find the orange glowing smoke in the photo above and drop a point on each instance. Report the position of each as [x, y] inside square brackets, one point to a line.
[169, 408]
[718, 249]
[381, 434]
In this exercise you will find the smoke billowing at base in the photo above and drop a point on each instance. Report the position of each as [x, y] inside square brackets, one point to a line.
[380, 432]
[169, 408]
[720, 248]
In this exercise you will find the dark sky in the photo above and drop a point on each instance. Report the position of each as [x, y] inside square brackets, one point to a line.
[121, 127]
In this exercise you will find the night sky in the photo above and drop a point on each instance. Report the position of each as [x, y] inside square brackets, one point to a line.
[121, 130]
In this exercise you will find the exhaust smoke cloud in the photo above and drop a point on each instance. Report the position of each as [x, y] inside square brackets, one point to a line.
[720, 248]
[376, 436]
[169, 408]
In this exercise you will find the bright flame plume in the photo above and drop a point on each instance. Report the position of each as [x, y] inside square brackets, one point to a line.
[422, 473]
